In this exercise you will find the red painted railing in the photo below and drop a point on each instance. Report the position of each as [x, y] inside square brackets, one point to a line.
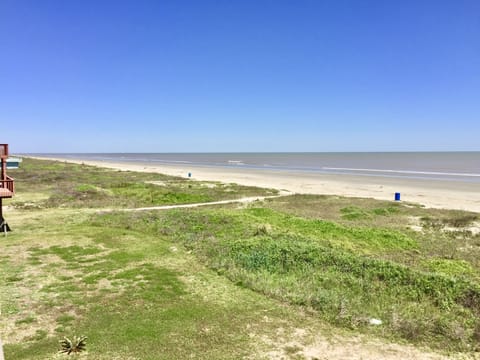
[8, 184]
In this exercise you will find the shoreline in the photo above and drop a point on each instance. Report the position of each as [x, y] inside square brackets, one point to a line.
[429, 193]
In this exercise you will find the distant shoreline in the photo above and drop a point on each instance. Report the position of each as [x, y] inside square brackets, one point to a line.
[430, 193]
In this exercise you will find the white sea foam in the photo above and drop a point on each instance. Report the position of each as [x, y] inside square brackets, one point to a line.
[403, 172]
[171, 161]
[236, 162]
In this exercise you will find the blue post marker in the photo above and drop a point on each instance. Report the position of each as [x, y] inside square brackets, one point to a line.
[189, 174]
[397, 196]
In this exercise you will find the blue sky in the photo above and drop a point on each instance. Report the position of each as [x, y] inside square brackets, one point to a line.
[219, 76]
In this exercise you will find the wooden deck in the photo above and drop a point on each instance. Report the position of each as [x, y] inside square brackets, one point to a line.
[5, 193]
[7, 188]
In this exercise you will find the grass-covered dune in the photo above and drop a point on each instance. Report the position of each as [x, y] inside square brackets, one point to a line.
[79, 186]
[271, 279]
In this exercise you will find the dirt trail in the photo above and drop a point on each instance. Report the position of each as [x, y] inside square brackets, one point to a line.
[336, 347]
[244, 200]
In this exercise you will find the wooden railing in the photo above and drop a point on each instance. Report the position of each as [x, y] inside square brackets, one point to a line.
[8, 184]
[3, 150]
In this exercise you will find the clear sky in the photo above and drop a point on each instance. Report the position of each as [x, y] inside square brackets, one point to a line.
[239, 75]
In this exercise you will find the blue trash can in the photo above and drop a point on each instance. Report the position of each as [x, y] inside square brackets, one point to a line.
[397, 196]
[189, 174]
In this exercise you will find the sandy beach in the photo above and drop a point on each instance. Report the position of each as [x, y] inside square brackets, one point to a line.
[429, 193]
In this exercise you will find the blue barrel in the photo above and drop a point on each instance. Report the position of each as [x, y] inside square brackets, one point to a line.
[397, 196]
[189, 174]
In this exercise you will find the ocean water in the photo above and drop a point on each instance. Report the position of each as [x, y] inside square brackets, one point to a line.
[451, 166]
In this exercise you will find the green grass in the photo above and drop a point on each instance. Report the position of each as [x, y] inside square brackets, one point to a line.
[354, 213]
[27, 320]
[219, 282]
[352, 238]
[298, 265]
[130, 304]
[79, 186]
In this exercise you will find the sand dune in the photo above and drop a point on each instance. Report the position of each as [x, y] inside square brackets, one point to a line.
[430, 193]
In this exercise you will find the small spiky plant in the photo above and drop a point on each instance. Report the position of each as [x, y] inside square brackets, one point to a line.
[76, 345]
